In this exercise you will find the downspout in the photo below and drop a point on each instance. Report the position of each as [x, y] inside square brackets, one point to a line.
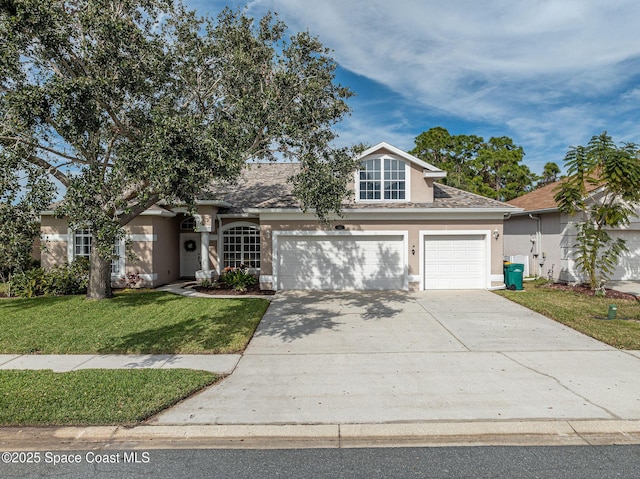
[538, 244]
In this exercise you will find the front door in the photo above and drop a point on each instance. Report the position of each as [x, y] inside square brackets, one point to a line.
[189, 254]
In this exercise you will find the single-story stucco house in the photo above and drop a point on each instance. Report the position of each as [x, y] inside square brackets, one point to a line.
[547, 237]
[402, 230]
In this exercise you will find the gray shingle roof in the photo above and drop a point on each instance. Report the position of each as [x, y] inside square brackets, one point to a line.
[266, 185]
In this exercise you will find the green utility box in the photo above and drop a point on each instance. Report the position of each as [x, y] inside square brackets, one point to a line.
[513, 273]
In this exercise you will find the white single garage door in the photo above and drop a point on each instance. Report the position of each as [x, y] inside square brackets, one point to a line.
[455, 262]
[628, 268]
[341, 262]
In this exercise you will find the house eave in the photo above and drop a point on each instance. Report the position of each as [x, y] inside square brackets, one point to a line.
[218, 203]
[435, 174]
[237, 215]
[386, 214]
[162, 213]
[522, 211]
[402, 154]
[259, 211]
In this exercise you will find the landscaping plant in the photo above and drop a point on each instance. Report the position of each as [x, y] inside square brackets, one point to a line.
[603, 190]
[238, 278]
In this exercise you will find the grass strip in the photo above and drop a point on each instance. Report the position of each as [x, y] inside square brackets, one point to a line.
[146, 322]
[93, 396]
[583, 313]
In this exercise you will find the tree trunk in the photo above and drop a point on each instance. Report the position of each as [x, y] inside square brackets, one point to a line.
[99, 277]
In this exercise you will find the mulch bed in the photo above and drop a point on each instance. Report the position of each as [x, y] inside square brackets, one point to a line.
[223, 289]
[582, 289]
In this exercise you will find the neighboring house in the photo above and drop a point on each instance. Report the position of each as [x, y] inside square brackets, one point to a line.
[400, 231]
[547, 237]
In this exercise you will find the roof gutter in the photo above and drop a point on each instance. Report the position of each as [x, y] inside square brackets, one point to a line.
[391, 210]
[522, 211]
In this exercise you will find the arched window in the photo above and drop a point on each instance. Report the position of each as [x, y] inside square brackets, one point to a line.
[188, 224]
[241, 247]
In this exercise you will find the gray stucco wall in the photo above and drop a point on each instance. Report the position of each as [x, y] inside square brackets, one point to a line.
[544, 248]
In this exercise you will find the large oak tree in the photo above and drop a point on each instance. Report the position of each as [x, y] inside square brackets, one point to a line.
[127, 102]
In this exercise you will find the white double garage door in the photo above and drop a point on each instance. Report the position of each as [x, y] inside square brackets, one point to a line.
[379, 260]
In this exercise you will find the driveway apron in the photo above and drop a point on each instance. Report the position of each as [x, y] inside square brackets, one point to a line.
[382, 357]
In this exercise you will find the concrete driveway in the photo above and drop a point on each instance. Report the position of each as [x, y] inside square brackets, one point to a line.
[384, 357]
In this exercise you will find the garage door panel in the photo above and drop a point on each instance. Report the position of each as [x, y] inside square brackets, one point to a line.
[341, 262]
[628, 268]
[455, 262]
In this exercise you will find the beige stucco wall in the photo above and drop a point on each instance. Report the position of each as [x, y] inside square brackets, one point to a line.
[141, 253]
[149, 257]
[421, 187]
[166, 249]
[413, 228]
[54, 252]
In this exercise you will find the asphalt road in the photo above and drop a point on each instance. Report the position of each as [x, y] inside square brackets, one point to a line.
[583, 462]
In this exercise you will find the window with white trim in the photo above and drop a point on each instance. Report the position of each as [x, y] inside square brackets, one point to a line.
[82, 243]
[241, 247]
[82, 248]
[370, 180]
[115, 262]
[383, 179]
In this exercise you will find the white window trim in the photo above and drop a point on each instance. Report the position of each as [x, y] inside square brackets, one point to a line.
[121, 259]
[407, 180]
[276, 235]
[71, 253]
[487, 244]
[229, 226]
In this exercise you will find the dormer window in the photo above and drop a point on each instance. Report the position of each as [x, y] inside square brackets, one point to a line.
[383, 178]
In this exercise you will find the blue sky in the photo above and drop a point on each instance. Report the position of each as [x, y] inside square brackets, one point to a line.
[550, 74]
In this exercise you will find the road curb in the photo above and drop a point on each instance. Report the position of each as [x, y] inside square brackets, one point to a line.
[514, 433]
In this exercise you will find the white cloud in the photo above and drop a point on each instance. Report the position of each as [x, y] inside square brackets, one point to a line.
[548, 73]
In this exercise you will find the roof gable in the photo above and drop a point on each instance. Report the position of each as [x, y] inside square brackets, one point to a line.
[384, 147]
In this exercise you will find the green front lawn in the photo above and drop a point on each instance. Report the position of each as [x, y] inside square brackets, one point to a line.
[135, 322]
[583, 313]
[93, 397]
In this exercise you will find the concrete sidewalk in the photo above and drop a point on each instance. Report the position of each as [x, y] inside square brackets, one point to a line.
[217, 363]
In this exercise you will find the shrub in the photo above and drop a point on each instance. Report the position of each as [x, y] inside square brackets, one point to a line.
[238, 278]
[71, 278]
[29, 283]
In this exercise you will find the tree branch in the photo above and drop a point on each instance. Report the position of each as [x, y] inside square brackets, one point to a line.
[38, 146]
[136, 210]
[49, 168]
[121, 126]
